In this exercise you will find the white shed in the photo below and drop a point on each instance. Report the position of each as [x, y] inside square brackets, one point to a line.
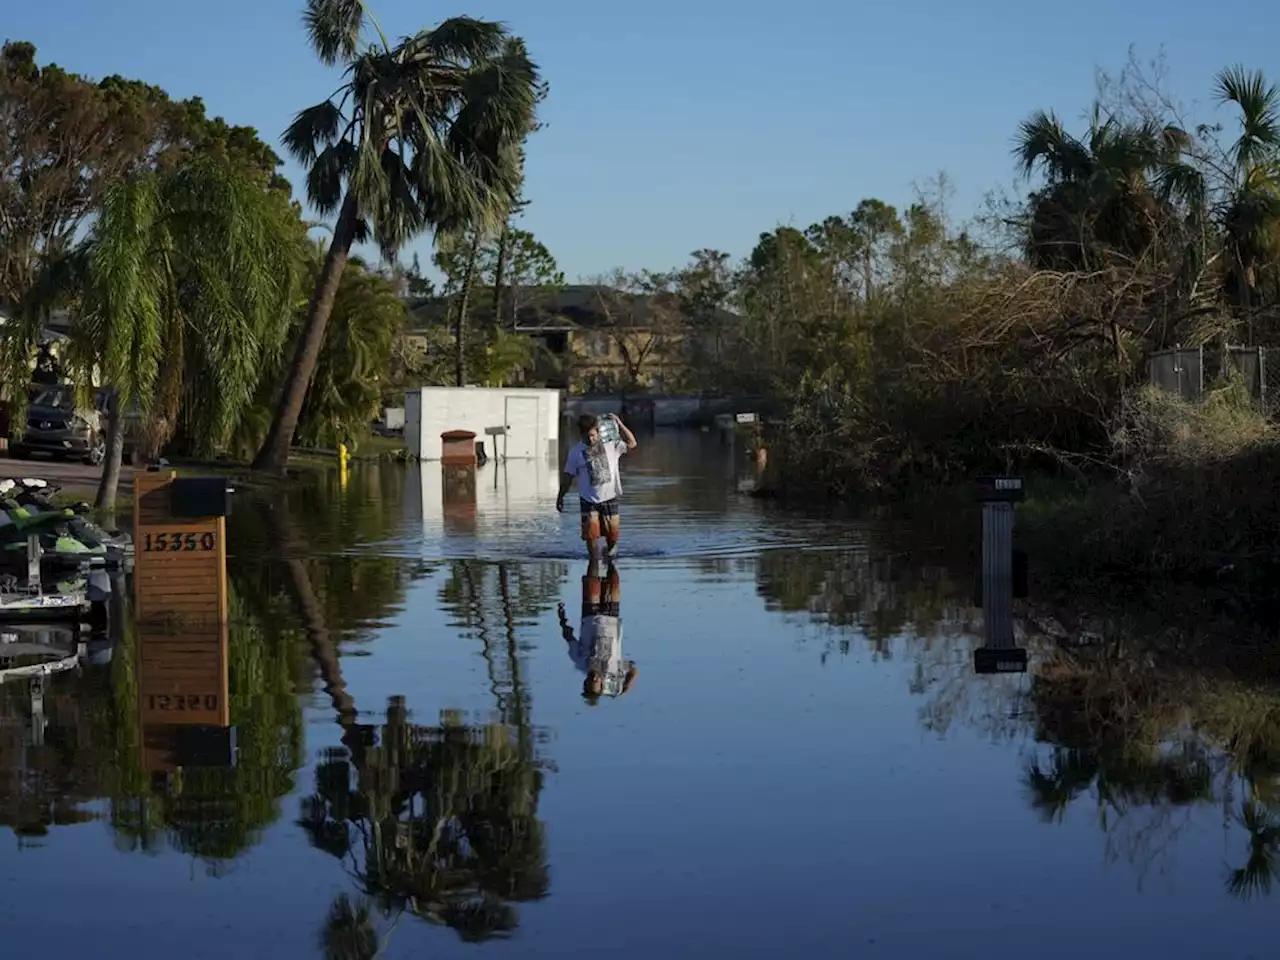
[531, 416]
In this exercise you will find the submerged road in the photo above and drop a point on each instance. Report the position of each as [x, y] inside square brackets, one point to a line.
[76, 479]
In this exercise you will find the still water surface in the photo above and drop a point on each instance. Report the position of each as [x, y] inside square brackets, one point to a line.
[803, 764]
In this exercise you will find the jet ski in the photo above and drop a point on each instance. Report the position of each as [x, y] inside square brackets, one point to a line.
[66, 535]
[76, 599]
[52, 527]
[28, 651]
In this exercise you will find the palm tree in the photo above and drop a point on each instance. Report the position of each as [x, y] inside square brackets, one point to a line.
[352, 371]
[1250, 214]
[422, 135]
[1099, 194]
[355, 361]
[187, 281]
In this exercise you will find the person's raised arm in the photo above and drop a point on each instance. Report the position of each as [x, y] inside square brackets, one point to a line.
[632, 672]
[565, 629]
[628, 437]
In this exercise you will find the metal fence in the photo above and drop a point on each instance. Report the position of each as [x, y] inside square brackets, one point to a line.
[1180, 371]
[1251, 365]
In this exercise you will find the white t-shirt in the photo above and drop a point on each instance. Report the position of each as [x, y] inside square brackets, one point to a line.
[599, 647]
[596, 468]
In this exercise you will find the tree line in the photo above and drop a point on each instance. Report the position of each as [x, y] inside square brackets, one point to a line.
[910, 344]
[904, 344]
[173, 241]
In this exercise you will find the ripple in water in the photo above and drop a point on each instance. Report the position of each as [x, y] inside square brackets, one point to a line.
[670, 514]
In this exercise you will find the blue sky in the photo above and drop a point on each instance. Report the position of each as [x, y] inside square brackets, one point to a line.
[678, 125]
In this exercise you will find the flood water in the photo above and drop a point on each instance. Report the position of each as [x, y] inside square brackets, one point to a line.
[802, 763]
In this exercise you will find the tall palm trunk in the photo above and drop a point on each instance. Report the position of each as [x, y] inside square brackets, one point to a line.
[275, 449]
[475, 602]
[460, 321]
[499, 275]
[518, 713]
[110, 483]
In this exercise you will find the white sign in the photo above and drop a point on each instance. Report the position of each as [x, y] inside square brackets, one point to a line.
[746, 418]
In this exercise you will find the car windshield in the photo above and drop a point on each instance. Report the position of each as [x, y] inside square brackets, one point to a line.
[61, 397]
[132, 410]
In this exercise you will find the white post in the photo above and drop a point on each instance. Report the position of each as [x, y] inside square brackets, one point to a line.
[37, 711]
[33, 563]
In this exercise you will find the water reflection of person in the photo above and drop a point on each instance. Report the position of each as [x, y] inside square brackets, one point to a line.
[597, 648]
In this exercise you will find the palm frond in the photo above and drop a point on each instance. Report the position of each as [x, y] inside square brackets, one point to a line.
[1175, 141]
[334, 28]
[312, 128]
[400, 216]
[1259, 104]
[327, 175]
[194, 271]
[1042, 142]
[436, 126]
[1183, 184]
[458, 39]
[124, 308]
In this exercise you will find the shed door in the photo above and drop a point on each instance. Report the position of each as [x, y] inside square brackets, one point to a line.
[523, 417]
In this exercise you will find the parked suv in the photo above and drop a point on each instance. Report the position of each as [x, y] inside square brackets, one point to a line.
[57, 428]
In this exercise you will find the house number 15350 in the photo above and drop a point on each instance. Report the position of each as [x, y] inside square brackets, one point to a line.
[178, 542]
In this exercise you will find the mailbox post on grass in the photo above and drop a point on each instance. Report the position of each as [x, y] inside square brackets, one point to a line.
[998, 654]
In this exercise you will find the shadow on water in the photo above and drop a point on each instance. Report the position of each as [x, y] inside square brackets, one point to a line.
[435, 725]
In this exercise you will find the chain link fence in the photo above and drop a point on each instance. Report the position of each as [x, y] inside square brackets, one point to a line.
[1182, 370]
[1179, 371]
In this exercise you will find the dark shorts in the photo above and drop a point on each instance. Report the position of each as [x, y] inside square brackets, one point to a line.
[601, 595]
[600, 520]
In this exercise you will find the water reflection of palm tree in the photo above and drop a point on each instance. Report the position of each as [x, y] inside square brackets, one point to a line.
[441, 821]
[1162, 743]
[279, 521]
[1258, 875]
[1120, 780]
[465, 594]
[437, 821]
[349, 932]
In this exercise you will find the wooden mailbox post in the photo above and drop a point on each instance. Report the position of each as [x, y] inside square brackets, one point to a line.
[180, 599]
[179, 562]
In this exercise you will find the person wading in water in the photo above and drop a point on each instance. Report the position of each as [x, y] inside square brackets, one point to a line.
[596, 649]
[593, 462]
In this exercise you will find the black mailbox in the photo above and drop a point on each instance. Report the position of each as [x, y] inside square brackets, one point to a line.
[205, 746]
[193, 497]
[195, 746]
[999, 490]
[988, 660]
